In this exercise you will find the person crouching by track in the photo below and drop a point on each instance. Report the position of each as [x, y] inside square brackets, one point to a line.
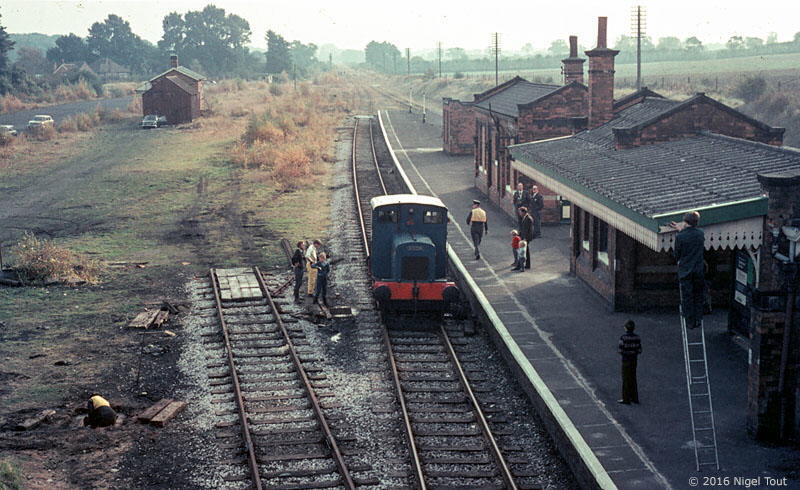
[312, 253]
[478, 225]
[298, 267]
[100, 413]
[323, 268]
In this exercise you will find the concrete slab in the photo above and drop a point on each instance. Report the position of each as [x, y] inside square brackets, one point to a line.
[641, 446]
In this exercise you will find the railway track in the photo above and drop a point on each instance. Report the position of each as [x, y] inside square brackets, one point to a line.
[450, 438]
[278, 429]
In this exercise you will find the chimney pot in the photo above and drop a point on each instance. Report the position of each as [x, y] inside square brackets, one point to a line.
[173, 60]
[602, 32]
[573, 46]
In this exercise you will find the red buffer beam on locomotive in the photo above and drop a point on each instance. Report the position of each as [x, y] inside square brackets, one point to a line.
[409, 253]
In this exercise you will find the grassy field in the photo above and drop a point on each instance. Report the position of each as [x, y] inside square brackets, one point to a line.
[157, 208]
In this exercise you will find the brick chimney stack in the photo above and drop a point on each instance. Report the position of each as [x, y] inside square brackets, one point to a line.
[573, 66]
[601, 78]
[173, 60]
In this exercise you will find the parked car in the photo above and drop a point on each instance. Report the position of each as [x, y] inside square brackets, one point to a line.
[7, 130]
[40, 121]
[153, 121]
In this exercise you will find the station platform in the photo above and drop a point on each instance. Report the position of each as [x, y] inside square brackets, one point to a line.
[569, 336]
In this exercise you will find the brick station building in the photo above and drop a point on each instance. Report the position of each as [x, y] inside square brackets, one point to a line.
[513, 112]
[643, 162]
[176, 94]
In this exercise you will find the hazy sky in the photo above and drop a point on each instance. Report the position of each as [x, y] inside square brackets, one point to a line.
[419, 24]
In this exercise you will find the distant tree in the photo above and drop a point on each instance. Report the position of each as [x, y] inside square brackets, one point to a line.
[558, 48]
[456, 54]
[114, 39]
[6, 73]
[693, 45]
[70, 49]
[772, 38]
[279, 57]
[753, 42]
[380, 55]
[669, 43]
[32, 61]
[527, 49]
[735, 43]
[304, 56]
[216, 39]
[797, 37]
[628, 44]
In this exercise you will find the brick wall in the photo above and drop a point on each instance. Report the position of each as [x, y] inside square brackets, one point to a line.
[553, 115]
[701, 114]
[458, 130]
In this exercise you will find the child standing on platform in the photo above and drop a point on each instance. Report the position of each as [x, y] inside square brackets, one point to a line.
[521, 250]
[515, 239]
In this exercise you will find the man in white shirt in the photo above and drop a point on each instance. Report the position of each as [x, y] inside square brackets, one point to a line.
[311, 258]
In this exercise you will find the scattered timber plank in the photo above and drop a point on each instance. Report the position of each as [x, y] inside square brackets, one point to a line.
[161, 317]
[325, 311]
[144, 319]
[36, 420]
[154, 409]
[168, 413]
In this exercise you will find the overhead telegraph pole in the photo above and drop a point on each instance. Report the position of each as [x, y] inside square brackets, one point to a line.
[495, 50]
[408, 61]
[439, 51]
[638, 28]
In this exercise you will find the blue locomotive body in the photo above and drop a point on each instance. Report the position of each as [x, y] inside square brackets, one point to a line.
[409, 253]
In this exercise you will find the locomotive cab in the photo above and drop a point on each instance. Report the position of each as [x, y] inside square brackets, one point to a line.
[408, 253]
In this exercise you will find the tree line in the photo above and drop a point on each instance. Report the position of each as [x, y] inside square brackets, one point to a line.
[386, 57]
[209, 41]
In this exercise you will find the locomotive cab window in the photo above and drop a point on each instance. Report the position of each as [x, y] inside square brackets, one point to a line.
[387, 216]
[433, 217]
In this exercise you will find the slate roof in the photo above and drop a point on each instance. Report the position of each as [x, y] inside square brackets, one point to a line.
[181, 69]
[107, 65]
[702, 171]
[189, 89]
[504, 98]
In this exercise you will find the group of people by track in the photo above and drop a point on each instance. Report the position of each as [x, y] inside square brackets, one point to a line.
[310, 259]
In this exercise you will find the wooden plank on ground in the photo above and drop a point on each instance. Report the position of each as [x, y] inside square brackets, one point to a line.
[143, 319]
[161, 317]
[33, 422]
[168, 413]
[153, 410]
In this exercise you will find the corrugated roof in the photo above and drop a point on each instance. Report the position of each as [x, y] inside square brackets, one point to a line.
[693, 173]
[181, 69]
[188, 88]
[504, 99]
[631, 116]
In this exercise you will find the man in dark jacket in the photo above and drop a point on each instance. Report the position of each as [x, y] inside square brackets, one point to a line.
[526, 232]
[298, 267]
[477, 221]
[521, 199]
[630, 346]
[689, 248]
[537, 204]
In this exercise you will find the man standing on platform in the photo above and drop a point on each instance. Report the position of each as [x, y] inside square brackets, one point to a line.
[630, 346]
[521, 198]
[526, 232]
[689, 248]
[537, 204]
[478, 225]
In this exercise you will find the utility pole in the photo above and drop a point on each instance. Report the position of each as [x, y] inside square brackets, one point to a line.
[294, 75]
[638, 18]
[408, 61]
[495, 50]
[439, 50]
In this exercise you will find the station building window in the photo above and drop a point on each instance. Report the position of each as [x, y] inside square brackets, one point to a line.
[601, 240]
[586, 223]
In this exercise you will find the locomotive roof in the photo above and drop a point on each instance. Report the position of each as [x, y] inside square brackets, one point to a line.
[379, 201]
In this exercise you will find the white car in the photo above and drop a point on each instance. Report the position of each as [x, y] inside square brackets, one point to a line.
[40, 121]
[7, 130]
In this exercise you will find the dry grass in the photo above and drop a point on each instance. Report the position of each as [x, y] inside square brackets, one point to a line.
[119, 89]
[292, 137]
[11, 103]
[135, 107]
[42, 262]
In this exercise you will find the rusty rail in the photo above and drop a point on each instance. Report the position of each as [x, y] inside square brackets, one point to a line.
[502, 465]
[329, 438]
[248, 440]
[364, 238]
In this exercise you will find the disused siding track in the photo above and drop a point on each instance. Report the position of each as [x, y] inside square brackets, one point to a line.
[264, 374]
[450, 439]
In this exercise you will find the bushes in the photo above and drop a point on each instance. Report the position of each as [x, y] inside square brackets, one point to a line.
[750, 89]
[43, 262]
[10, 103]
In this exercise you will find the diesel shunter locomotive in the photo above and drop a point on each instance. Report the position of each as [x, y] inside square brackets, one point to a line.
[409, 254]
